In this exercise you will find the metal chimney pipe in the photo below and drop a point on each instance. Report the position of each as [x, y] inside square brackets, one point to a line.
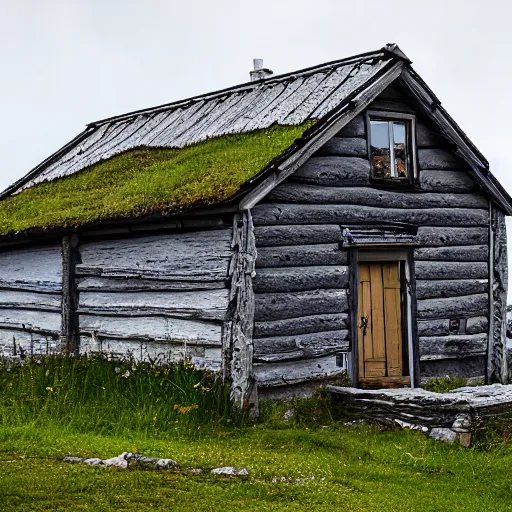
[259, 72]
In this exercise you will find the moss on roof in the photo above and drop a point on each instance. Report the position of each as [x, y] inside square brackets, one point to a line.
[148, 180]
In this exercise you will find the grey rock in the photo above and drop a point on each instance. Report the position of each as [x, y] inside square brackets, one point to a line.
[197, 471]
[118, 462]
[70, 458]
[288, 415]
[443, 434]
[461, 424]
[230, 471]
[165, 464]
[94, 461]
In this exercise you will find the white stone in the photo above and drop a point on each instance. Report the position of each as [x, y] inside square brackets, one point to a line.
[288, 415]
[443, 434]
[69, 458]
[165, 464]
[94, 461]
[230, 471]
[118, 462]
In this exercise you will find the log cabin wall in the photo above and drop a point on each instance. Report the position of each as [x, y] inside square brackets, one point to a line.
[30, 300]
[302, 282]
[160, 297]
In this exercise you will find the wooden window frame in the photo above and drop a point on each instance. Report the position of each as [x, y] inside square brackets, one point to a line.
[413, 175]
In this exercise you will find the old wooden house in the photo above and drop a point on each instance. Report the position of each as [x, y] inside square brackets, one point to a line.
[282, 232]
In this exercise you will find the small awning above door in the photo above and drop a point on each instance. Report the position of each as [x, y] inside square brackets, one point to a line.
[401, 234]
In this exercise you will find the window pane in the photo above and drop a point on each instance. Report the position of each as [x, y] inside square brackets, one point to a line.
[400, 149]
[380, 154]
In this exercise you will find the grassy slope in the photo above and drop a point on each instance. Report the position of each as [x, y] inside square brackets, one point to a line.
[360, 469]
[145, 181]
[50, 407]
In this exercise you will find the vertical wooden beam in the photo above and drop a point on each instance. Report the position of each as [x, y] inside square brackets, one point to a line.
[70, 329]
[354, 373]
[412, 321]
[497, 370]
[237, 338]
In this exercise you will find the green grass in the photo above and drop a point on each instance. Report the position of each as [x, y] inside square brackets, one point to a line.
[445, 384]
[113, 397]
[353, 469]
[308, 464]
[145, 181]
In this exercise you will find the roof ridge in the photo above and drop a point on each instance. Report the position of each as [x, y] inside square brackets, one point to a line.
[382, 54]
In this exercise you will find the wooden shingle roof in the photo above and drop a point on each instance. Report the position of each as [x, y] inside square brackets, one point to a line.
[231, 146]
[289, 99]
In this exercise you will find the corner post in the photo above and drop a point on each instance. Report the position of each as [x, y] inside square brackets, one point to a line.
[497, 370]
[238, 327]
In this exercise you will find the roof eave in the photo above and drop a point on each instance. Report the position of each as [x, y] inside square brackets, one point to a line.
[465, 148]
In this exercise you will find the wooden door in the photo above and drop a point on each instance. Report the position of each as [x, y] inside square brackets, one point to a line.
[380, 326]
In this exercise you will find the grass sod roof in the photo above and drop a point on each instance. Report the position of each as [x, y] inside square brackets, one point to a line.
[146, 181]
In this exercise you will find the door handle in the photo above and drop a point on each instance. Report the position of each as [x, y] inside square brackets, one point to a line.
[364, 324]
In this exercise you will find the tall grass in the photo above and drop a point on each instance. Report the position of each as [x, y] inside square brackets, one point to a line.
[112, 397]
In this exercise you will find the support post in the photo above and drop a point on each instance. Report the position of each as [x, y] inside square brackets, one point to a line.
[70, 329]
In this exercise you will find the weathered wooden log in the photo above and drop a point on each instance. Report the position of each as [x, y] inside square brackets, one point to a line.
[446, 181]
[430, 237]
[272, 236]
[428, 137]
[32, 269]
[334, 171]
[175, 330]
[178, 256]
[392, 93]
[29, 343]
[205, 305]
[301, 325]
[276, 306]
[356, 128]
[437, 159]
[289, 192]
[342, 146]
[455, 253]
[292, 372]
[441, 327]
[392, 105]
[26, 320]
[294, 279]
[451, 270]
[442, 347]
[289, 348]
[271, 213]
[105, 284]
[456, 307]
[450, 288]
[30, 286]
[30, 300]
[301, 255]
[466, 367]
[155, 352]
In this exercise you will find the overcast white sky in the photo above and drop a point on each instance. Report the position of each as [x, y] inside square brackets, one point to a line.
[68, 62]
